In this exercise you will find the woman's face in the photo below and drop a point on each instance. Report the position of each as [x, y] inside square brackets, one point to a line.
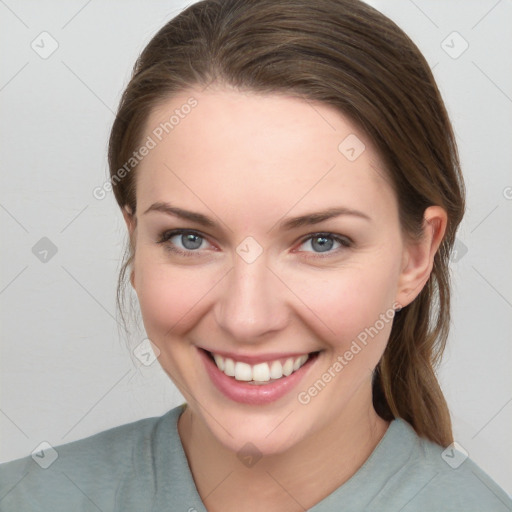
[253, 286]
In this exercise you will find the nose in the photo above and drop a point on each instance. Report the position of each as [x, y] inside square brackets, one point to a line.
[252, 304]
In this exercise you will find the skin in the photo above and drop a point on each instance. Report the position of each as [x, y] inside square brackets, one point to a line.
[249, 161]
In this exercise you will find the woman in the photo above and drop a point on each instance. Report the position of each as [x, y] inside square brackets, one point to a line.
[290, 183]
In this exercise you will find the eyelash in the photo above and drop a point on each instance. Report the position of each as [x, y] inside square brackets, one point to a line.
[164, 238]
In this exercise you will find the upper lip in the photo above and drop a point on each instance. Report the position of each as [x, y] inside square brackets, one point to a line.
[255, 359]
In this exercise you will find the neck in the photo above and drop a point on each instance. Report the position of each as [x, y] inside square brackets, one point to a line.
[293, 480]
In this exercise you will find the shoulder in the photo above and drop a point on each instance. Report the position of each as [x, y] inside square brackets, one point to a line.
[434, 478]
[92, 471]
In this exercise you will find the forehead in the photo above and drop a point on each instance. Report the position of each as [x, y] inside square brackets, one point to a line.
[272, 150]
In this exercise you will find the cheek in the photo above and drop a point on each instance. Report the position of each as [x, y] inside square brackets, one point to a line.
[338, 304]
[348, 300]
[358, 311]
[169, 297]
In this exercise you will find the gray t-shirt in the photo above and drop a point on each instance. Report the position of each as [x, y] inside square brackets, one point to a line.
[142, 467]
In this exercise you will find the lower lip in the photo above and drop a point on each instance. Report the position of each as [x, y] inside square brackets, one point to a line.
[253, 394]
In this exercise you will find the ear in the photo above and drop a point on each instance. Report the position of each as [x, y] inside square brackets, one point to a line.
[131, 224]
[418, 259]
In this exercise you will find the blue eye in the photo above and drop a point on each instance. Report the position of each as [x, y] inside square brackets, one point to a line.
[325, 241]
[191, 241]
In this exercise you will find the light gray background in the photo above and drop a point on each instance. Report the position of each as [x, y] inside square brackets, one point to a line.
[65, 372]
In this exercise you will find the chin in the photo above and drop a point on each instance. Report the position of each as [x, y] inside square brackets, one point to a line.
[262, 437]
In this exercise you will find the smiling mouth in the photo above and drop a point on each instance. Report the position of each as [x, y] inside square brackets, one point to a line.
[260, 373]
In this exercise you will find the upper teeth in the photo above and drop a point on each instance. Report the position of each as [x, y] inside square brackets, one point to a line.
[261, 372]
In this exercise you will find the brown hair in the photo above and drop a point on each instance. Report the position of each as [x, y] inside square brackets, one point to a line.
[345, 54]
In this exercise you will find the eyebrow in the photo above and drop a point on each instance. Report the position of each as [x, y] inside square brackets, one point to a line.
[285, 225]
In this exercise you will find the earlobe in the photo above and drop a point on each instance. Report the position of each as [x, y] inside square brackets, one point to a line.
[419, 255]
